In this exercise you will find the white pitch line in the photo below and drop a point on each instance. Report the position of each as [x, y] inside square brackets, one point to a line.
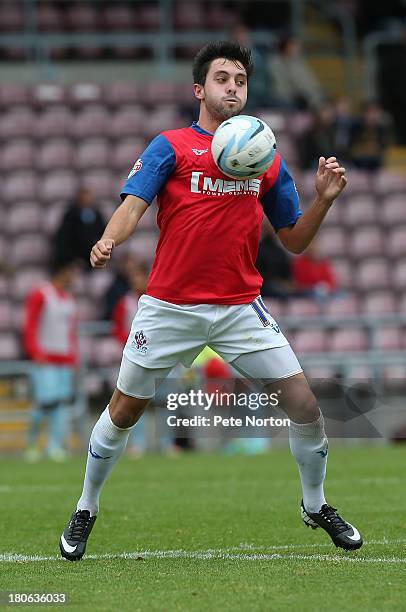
[219, 554]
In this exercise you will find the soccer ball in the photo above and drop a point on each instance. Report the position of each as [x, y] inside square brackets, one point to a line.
[243, 147]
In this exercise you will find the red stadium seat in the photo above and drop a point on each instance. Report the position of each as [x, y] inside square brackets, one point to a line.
[359, 210]
[120, 17]
[93, 153]
[81, 94]
[21, 185]
[11, 16]
[371, 274]
[158, 92]
[344, 273]
[49, 17]
[302, 308]
[379, 302]
[25, 217]
[82, 16]
[188, 15]
[309, 341]
[277, 308]
[389, 181]
[332, 242]
[143, 245]
[393, 212]
[93, 120]
[55, 153]
[360, 182]
[125, 153]
[17, 155]
[103, 183]
[396, 242]
[388, 338]
[12, 94]
[366, 242]
[117, 94]
[29, 249]
[148, 16]
[6, 314]
[399, 275]
[18, 122]
[59, 185]
[347, 340]
[55, 121]
[344, 305]
[127, 121]
[9, 347]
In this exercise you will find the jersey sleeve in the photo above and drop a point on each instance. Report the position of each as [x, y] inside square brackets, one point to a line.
[151, 171]
[280, 199]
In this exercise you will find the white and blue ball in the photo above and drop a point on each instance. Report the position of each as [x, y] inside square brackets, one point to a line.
[243, 147]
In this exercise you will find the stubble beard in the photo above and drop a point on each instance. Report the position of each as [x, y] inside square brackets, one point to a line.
[220, 111]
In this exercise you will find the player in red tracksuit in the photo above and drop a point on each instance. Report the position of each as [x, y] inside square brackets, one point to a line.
[50, 342]
[204, 288]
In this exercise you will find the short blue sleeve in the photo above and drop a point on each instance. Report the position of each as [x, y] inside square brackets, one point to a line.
[281, 201]
[151, 171]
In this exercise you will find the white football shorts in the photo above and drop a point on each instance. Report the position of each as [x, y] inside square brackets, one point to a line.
[165, 334]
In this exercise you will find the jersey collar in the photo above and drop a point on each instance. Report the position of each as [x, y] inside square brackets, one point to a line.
[200, 130]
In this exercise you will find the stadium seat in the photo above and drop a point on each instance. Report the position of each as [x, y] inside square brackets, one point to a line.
[55, 121]
[392, 211]
[9, 347]
[55, 153]
[302, 308]
[29, 249]
[120, 17]
[188, 15]
[332, 242]
[360, 181]
[158, 93]
[11, 16]
[359, 210]
[371, 274]
[25, 217]
[396, 241]
[97, 284]
[93, 153]
[287, 149]
[366, 242]
[159, 119]
[148, 16]
[344, 272]
[117, 94]
[341, 305]
[379, 302]
[87, 309]
[124, 153]
[14, 94]
[20, 185]
[143, 245]
[59, 185]
[347, 340]
[389, 181]
[103, 183]
[45, 94]
[53, 215]
[308, 341]
[399, 275]
[107, 352]
[276, 307]
[6, 314]
[81, 94]
[82, 16]
[388, 338]
[17, 155]
[19, 122]
[334, 215]
[25, 279]
[49, 18]
[4, 282]
[93, 120]
[127, 121]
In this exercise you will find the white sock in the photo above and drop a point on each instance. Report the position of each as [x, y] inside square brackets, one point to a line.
[107, 444]
[309, 444]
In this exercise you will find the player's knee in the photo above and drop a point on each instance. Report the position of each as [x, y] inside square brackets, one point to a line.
[124, 410]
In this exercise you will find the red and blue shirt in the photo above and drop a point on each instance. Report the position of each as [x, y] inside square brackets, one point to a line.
[209, 224]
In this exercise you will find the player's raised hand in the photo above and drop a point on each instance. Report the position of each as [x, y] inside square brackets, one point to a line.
[101, 252]
[330, 179]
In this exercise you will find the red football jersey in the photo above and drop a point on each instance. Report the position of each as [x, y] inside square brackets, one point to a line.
[209, 224]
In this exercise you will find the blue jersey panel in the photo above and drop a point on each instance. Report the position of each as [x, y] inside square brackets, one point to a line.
[151, 170]
[281, 202]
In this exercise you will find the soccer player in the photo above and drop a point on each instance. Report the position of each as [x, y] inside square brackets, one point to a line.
[204, 287]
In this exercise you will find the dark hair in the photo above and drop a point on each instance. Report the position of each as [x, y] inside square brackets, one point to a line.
[229, 50]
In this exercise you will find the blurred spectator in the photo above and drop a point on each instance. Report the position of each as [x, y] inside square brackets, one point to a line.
[81, 227]
[296, 85]
[126, 307]
[371, 136]
[343, 125]
[392, 84]
[274, 265]
[313, 274]
[261, 87]
[50, 341]
[127, 266]
[319, 139]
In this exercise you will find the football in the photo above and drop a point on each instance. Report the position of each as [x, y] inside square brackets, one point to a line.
[243, 147]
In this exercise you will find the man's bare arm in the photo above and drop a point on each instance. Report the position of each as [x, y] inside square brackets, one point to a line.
[120, 227]
[330, 181]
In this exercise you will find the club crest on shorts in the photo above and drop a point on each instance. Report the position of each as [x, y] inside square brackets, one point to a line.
[140, 342]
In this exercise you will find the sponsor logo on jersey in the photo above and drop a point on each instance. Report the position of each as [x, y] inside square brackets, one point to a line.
[219, 187]
[136, 167]
[199, 152]
[140, 342]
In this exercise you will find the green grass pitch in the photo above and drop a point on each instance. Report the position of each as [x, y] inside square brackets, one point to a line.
[209, 532]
